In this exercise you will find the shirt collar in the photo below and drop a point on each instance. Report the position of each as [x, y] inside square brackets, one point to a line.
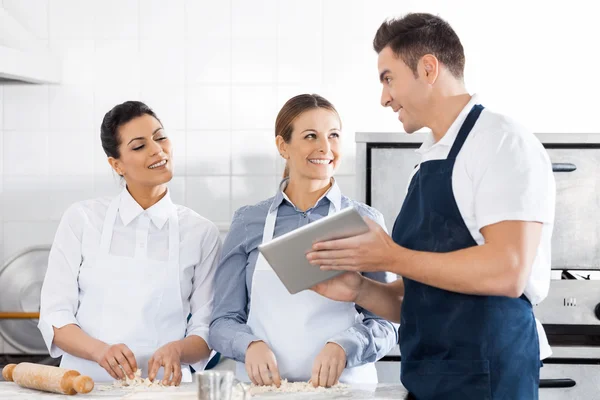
[448, 139]
[334, 195]
[129, 209]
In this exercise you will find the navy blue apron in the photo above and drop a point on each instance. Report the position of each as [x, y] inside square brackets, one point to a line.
[458, 346]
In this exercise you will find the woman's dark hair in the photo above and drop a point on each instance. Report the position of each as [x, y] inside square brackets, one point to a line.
[117, 117]
[292, 109]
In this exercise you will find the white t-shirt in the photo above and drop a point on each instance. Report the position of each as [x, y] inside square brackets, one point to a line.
[502, 173]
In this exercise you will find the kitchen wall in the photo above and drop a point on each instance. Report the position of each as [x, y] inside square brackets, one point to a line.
[216, 73]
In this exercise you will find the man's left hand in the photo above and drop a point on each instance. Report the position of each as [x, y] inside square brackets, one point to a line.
[370, 252]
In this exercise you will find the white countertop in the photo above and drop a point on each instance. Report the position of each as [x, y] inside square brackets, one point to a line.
[187, 391]
[587, 387]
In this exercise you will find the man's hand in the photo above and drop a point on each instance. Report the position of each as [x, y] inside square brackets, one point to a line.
[328, 366]
[369, 252]
[344, 287]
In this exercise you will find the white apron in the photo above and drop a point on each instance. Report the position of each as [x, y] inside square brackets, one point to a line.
[297, 327]
[135, 301]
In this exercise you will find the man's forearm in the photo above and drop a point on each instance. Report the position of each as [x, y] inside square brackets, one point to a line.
[382, 299]
[479, 270]
[76, 342]
[193, 349]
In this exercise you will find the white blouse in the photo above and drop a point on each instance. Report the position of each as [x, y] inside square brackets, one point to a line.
[77, 241]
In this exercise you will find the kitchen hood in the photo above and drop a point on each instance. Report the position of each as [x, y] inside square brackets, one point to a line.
[22, 58]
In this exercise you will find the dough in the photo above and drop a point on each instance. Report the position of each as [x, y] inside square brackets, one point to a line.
[138, 381]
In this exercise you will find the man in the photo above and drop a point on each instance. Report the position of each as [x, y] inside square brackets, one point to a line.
[472, 239]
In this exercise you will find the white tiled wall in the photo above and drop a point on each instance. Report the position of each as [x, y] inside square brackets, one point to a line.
[216, 72]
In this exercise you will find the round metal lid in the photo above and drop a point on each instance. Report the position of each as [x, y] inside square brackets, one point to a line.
[21, 281]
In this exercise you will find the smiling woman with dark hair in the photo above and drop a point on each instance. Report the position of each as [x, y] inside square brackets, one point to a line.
[125, 273]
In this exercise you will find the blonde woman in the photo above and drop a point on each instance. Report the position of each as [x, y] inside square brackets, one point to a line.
[272, 334]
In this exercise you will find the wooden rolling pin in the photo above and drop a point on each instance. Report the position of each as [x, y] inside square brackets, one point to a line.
[19, 315]
[48, 378]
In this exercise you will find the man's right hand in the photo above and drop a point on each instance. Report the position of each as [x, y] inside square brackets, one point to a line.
[112, 358]
[344, 287]
[261, 365]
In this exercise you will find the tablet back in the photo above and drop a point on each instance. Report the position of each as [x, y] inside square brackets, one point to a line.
[287, 253]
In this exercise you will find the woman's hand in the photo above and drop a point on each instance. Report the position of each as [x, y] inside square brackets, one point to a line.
[168, 357]
[261, 365]
[117, 359]
[344, 287]
[328, 366]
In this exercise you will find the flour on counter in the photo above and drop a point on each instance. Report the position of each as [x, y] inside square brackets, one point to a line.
[138, 382]
[296, 387]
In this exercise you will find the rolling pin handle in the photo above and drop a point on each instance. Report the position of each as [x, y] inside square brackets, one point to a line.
[83, 384]
[7, 372]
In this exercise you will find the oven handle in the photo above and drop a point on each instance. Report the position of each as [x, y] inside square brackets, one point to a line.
[557, 383]
[563, 167]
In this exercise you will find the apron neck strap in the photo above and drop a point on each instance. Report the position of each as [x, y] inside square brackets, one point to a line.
[272, 218]
[109, 225]
[464, 131]
[174, 236]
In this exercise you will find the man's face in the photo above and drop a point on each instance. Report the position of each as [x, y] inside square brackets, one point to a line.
[406, 94]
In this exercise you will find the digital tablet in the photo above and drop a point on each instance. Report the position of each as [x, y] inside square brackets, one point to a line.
[286, 254]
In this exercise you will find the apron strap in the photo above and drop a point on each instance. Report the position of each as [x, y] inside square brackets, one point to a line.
[109, 223]
[270, 225]
[269, 229]
[464, 130]
[332, 209]
[174, 237]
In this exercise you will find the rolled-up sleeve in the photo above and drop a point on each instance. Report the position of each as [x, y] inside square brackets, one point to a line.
[229, 334]
[60, 290]
[202, 297]
[374, 337]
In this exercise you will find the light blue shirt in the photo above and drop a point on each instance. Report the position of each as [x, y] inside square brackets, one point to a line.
[364, 342]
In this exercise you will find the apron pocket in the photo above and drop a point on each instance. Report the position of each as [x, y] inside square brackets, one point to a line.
[447, 379]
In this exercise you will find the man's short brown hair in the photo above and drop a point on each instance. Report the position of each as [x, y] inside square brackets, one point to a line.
[417, 34]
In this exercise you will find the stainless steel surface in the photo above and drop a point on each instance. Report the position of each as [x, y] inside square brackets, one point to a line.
[587, 378]
[576, 239]
[389, 137]
[401, 137]
[391, 170]
[217, 385]
[388, 371]
[21, 281]
[570, 301]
